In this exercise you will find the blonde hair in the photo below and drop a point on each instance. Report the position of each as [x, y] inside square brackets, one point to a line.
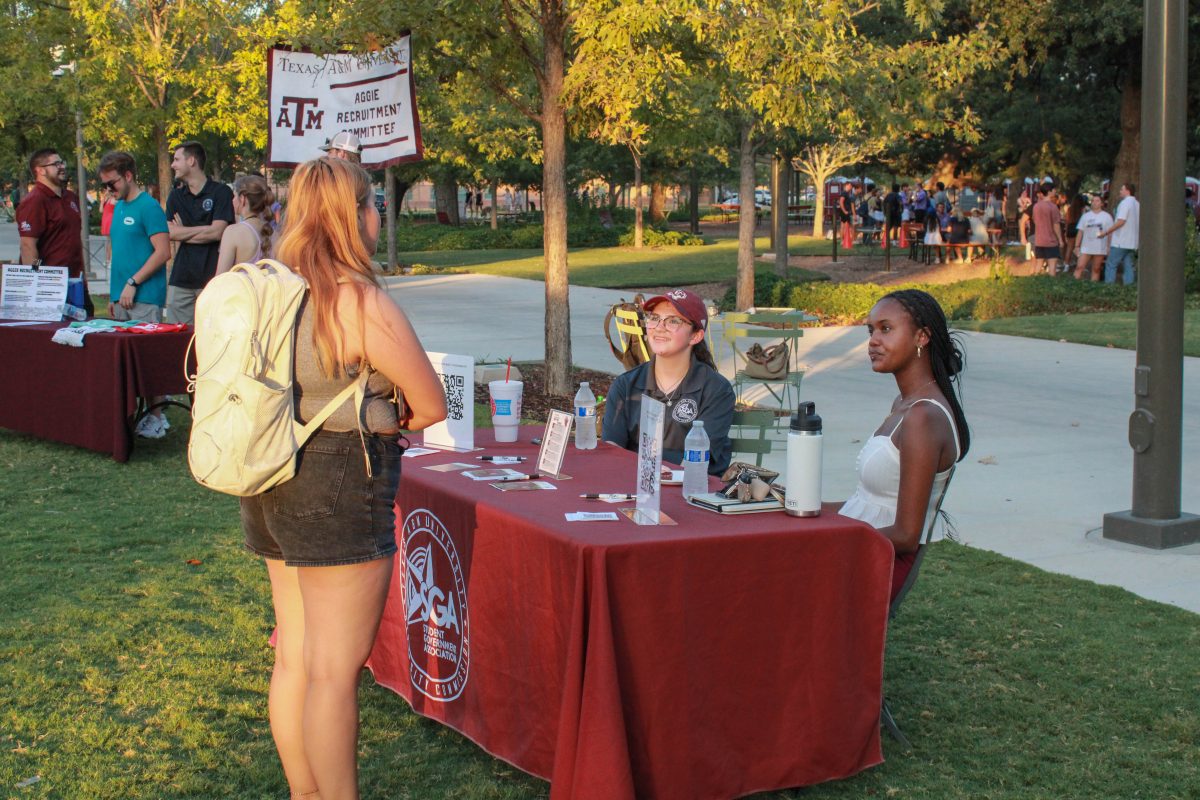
[259, 198]
[322, 240]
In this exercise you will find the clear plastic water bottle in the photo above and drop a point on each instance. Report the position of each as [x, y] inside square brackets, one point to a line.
[585, 418]
[695, 461]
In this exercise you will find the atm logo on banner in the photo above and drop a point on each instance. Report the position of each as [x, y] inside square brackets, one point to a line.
[435, 603]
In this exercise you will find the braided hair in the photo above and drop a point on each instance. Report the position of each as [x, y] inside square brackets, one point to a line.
[945, 353]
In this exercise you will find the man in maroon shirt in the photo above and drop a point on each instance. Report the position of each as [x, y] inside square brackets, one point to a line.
[48, 220]
[1047, 230]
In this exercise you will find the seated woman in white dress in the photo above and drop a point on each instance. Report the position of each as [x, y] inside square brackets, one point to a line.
[904, 468]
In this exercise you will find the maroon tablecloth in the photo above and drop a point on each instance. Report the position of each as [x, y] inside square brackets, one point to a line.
[712, 659]
[85, 396]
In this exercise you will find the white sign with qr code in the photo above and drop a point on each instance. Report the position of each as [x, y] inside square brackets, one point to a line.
[457, 430]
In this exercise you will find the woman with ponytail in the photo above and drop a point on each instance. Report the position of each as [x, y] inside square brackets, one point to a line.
[905, 467]
[249, 239]
[681, 374]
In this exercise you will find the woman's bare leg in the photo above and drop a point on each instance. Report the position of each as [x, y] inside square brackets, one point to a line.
[342, 609]
[289, 683]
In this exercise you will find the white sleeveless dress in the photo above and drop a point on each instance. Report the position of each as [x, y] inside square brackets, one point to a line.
[878, 467]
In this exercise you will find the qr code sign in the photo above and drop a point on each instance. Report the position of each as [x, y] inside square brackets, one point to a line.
[456, 387]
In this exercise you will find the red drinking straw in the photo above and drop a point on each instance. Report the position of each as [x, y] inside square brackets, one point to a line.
[507, 369]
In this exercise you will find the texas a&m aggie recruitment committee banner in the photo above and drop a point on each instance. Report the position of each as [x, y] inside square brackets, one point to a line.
[314, 97]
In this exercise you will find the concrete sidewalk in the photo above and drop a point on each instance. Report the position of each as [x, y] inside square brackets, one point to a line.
[1048, 420]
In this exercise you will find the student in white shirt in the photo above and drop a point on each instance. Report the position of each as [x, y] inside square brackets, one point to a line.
[1123, 237]
[1091, 248]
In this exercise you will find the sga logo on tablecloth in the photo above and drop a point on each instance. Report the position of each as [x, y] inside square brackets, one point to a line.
[435, 603]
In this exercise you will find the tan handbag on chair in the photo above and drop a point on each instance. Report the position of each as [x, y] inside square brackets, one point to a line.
[770, 363]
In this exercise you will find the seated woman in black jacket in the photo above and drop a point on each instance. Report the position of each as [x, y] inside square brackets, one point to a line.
[681, 374]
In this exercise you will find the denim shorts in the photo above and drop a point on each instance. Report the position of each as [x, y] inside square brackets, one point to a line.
[331, 512]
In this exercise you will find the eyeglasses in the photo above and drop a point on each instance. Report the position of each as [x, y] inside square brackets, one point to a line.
[672, 324]
[54, 164]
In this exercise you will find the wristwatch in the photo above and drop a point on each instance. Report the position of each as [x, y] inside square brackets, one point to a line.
[131, 282]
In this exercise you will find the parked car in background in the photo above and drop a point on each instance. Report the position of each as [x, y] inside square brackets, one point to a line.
[381, 201]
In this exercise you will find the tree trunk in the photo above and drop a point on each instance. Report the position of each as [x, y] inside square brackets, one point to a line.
[694, 203]
[818, 177]
[614, 190]
[554, 206]
[658, 202]
[637, 199]
[779, 207]
[1127, 167]
[745, 258]
[445, 195]
[162, 149]
[495, 219]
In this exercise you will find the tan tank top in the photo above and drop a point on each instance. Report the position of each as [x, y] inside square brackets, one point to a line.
[313, 390]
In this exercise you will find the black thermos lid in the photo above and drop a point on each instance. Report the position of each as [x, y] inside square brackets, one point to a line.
[805, 419]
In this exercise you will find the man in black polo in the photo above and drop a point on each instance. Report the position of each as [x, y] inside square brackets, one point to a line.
[198, 210]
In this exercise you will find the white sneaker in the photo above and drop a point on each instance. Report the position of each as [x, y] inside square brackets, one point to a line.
[150, 427]
[165, 422]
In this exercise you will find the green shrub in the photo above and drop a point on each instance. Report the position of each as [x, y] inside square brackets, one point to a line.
[660, 237]
[981, 298]
[1191, 260]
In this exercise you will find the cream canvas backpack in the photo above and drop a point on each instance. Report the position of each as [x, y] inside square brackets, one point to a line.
[245, 435]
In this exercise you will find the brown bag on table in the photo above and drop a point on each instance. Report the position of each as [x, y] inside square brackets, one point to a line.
[770, 363]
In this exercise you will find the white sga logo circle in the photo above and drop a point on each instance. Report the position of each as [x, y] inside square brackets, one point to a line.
[207, 205]
[435, 604]
[685, 410]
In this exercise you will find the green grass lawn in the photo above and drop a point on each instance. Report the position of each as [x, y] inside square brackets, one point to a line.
[622, 267]
[129, 672]
[1108, 329]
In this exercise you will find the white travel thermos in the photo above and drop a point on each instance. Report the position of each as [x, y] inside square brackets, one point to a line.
[803, 481]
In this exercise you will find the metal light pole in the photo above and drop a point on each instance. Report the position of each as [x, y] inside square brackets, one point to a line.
[80, 170]
[1155, 427]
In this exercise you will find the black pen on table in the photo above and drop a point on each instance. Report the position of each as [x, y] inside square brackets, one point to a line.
[615, 496]
[502, 458]
[533, 476]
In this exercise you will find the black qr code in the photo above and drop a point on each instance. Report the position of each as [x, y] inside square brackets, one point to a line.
[456, 387]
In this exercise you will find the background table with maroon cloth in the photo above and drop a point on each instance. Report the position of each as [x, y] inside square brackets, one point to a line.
[711, 659]
[85, 396]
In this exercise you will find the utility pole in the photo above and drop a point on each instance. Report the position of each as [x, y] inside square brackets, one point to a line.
[1155, 427]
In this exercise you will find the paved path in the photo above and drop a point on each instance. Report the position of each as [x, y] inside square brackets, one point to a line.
[1048, 424]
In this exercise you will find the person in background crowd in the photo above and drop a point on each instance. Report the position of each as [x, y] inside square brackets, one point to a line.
[106, 212]
[346, 146]
[942, 213]
[959, 234]
[875, 208]
[1075, 210]
[906, 211]
[1047, 230]
[968, 199]
[979, 235]
[249, 239]
[845, 212]
[198, 211]
[905, 467]
[1025, 225]
[140, 246]
[1123, 238]
[933, 234]
[328, 535]
[940, 197]
[920, 204]
[893, 214]
[467, 203]
[993, 214]
[49, 221]
[1091, 247]
[682, 375]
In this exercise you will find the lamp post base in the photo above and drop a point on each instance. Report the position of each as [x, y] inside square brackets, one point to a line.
[1160, 534]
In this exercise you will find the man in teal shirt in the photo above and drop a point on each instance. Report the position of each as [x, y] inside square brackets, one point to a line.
[140, 246]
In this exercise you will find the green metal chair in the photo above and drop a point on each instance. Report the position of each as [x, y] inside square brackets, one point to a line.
[739, 325]
[756, 419]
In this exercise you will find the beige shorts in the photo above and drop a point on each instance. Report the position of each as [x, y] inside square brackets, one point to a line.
[181, 304]
[141, 312]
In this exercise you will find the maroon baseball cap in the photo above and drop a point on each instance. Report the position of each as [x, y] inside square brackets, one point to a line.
[690, 305]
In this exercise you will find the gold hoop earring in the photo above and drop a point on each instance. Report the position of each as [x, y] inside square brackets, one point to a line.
[918, 351]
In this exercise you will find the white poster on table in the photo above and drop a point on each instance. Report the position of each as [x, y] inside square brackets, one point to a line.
[33, 294]
[649, 467]
[311, 98]
[457, 430]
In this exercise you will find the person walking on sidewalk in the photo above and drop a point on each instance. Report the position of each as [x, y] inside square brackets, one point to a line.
[1123, 238]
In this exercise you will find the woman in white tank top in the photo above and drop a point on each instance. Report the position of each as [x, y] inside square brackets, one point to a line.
[249, 239]
[904, 468]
